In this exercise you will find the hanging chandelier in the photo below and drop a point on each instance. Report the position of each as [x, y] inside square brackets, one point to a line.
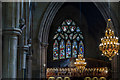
[109, 43]
[80, 62]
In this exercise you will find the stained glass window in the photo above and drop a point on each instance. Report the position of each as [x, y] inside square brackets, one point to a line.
[64, 28]
[55, 50]
[81, 48]
[74, 49]
[62, 49]
[59, 29]
[68, 49]
[68, 41]
[78, 29]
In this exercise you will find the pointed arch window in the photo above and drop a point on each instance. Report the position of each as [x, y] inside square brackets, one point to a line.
[68, 41]
[81, 48]
[62, 49]
[55, 50]
[74, 49]
[68, 49]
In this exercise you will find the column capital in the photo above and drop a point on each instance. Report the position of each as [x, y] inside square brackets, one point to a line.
[12, 31]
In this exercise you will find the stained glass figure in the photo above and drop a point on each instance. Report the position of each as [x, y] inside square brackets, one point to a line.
[78, 29]
[62, 49]
[81, 48]
[68, 49]
[74, 49]
[55, 50]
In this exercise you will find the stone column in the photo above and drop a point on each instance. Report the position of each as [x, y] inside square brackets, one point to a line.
[10, 31]
[9, 56]
[24, 63]
[20, 56]
[43, 60]
[29, 66]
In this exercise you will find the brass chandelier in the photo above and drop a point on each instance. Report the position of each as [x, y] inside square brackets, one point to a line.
[80, 62]
[109, 43]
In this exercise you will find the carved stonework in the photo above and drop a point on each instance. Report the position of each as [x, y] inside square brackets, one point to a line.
[12, 31]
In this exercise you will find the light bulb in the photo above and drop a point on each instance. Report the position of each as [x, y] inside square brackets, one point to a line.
[116, 37]
[117, 53]
[111, 42]
[106, 71]
[105, 43]
[105, 52]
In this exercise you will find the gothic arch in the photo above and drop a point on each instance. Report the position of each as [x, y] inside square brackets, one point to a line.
[54, 7]
[46, 24]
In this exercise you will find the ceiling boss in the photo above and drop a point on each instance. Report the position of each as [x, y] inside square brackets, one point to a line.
[109, 43]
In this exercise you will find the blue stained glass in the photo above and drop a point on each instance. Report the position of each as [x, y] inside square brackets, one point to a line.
[59, 38]
[74, 49]
[78, 29]
[62, 49]
[59, 29]
[81, 48]
[68, 49]
[55, 50]
[78, 38]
